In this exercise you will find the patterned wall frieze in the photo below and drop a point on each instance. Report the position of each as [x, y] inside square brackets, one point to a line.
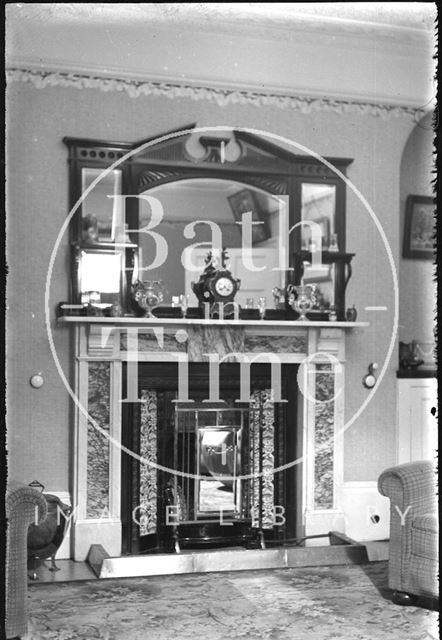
[221, 96]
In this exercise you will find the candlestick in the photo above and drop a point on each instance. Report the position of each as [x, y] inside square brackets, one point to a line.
[140, 263]
[262, 304]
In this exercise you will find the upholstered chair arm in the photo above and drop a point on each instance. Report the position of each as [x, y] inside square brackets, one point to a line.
[21, 499]
[412, 484]
[24, 505]
[411, 488]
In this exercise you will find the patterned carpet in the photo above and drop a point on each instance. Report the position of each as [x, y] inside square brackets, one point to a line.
[310, 603]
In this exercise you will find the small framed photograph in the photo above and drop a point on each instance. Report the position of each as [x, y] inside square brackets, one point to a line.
[244, 201]
[419, 228]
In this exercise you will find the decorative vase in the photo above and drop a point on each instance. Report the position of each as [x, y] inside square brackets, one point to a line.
[116, 310]
[300, 299]
[278, 297]
[351, 314]
[148, 295]
[332, 313]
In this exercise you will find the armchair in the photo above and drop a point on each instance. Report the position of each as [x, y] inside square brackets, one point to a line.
[24, 505]
[413, 559]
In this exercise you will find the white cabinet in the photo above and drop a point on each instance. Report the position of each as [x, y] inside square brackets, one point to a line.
[416, 429]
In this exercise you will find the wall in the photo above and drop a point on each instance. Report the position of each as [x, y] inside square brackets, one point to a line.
[40, 421]
[418, 294]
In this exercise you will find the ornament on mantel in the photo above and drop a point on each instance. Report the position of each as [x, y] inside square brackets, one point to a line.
[351, 314]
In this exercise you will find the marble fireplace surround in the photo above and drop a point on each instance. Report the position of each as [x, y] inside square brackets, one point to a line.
[102, 345]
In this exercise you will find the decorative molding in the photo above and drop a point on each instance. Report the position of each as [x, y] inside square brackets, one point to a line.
[222, 97]
[273, 185]
[329, 340]
[154, 176]
[100, 343]
[309, 169]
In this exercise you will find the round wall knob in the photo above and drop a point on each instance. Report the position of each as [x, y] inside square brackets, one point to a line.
[370, 379]
[37, 381]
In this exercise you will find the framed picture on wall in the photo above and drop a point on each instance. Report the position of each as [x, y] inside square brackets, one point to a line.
[419, 228]
[244, 201]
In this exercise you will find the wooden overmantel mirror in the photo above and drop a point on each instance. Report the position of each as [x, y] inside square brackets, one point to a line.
[182, 188]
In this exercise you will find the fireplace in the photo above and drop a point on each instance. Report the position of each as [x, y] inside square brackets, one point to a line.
[204, 475]
[127, 423]
[307, 429]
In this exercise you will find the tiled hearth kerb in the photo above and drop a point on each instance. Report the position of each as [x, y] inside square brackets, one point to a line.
[99, 388]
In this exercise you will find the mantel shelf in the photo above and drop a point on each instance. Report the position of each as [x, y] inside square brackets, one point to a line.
[152, 322]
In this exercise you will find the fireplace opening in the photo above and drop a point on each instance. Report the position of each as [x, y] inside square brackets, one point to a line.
[205, 476]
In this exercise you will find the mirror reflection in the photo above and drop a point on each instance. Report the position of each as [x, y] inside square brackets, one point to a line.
[322, 277]
[101, 215]
[218, 456]
[221, 202]
[319, 206]
[99, 272]
[209, 448]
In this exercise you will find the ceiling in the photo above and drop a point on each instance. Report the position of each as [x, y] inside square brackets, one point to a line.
[411, 15]
[378, 52]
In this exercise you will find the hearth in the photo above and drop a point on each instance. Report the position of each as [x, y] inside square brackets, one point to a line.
[206, 475]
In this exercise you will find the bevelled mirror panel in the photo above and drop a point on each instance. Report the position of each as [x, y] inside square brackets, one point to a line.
[318, 205]
[217, 204]
[101, 213]
[100, 276]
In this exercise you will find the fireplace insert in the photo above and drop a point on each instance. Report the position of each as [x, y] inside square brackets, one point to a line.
[203, 473]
